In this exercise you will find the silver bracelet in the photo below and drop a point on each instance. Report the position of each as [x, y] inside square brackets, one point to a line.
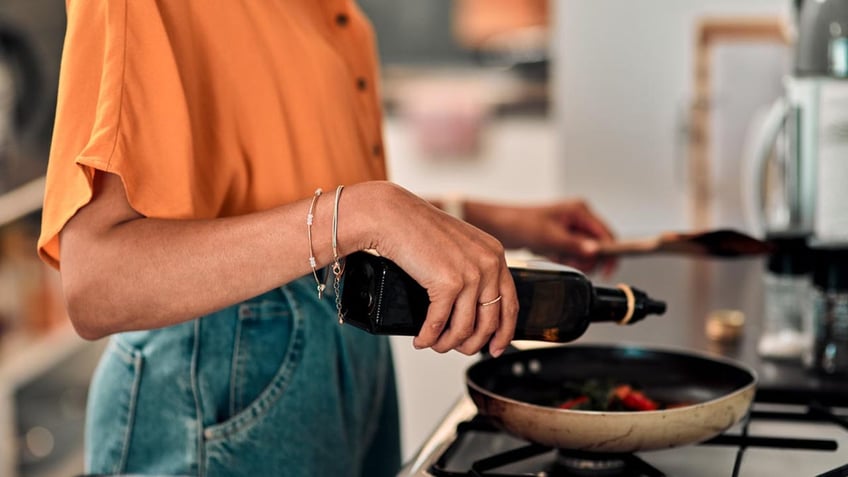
[338, 270]
[309, 219]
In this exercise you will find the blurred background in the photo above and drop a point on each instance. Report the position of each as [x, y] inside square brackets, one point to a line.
[646, 108]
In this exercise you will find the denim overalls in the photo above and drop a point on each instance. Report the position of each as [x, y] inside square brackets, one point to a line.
[269, 387]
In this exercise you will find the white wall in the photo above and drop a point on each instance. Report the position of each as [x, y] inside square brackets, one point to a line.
[516, 162]
[622, 82]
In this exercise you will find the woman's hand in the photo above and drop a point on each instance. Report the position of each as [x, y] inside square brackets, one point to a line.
[568, 232]
[460, 266]
[123, 271]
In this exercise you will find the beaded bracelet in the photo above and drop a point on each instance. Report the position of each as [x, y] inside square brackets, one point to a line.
[312, 263]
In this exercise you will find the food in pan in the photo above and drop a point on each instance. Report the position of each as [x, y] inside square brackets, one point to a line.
[598, 395]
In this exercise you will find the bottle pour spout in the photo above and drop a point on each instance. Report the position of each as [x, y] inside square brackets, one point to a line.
[654, 307]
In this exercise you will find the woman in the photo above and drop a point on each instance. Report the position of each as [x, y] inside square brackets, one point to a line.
[189, 142]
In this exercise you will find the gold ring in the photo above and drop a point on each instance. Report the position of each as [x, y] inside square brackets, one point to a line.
[492, 302]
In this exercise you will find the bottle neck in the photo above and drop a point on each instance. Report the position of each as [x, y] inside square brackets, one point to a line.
[624, 304]
[610, 304]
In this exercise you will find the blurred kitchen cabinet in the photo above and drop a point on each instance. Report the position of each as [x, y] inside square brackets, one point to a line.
[415, 32]
[31, 37]
[43, 387]
[30, 294]
[44, 366]
[623, 86]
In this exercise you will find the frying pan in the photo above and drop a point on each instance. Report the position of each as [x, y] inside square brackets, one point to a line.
[518, 391]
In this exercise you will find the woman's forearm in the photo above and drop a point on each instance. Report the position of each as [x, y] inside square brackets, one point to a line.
[122, 271]
[147, 273]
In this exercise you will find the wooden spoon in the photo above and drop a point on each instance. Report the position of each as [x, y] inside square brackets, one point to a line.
[716, 243]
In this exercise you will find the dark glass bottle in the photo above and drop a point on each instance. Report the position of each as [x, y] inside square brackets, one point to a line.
[556, 303]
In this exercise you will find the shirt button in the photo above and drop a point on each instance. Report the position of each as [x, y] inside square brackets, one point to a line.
[341, 19]
[361, 83]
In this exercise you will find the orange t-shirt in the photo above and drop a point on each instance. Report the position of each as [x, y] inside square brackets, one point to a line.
[211, 108]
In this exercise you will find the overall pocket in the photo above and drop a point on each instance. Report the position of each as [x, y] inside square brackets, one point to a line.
[112, 407]
[268, 344]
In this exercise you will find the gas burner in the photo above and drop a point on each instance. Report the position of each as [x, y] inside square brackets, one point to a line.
[581, 466]
[588, 464]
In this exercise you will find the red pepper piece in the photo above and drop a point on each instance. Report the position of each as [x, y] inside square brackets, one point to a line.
[621, 391]
[638, 401]
[574, 402]
[632, 399]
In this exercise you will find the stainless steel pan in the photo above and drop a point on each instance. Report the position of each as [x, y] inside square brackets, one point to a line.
[517, 391]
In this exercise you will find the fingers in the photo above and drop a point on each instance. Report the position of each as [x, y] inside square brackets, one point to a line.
[604, 234]
[466, 316]
[508, 308]
[608, 266]
[437, 318]
[487, 321]
[579, 243]
[472, 324]
[458, 264]
[470, 328]
[462, 322]
[584, 230]
[591, 223]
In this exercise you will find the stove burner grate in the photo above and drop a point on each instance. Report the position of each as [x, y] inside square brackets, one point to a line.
[465, 459]
[555, 462]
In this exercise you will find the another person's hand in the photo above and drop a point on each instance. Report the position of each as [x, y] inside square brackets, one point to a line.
[568, 232]
[463, 268]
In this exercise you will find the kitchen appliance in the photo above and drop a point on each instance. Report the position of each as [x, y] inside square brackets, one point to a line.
[828, 315]
[786, 299]
[807, 130]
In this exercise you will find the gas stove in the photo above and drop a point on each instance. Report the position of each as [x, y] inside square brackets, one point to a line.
[797, 426]
[773, 440]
